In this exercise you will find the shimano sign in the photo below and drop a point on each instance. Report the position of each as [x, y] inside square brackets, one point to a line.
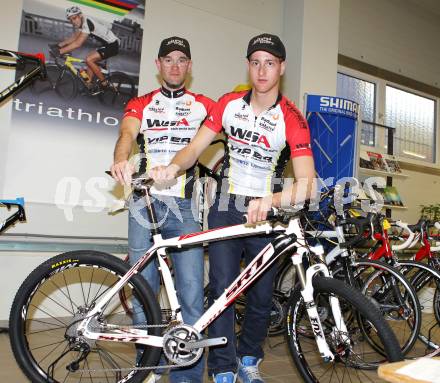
[333, 105]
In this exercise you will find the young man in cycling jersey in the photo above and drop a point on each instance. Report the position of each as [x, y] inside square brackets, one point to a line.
[264, 129]
[85, 27]
[164, 121]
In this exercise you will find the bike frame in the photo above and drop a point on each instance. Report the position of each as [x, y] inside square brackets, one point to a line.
[19, 215]
[11, 59]
[290, 242]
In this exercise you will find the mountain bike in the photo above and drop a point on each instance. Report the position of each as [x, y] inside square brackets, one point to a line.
[65, 77]
[11, 59]
[67, 322]
[384, 285]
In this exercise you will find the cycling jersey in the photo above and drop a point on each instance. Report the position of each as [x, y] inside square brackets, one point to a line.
[98, 31]
[259, 147]
[169, 121]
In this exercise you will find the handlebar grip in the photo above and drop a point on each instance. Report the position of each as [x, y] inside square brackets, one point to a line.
[272, 215]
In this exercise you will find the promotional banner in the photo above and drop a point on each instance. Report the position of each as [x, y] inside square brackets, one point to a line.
[333, 128]
[112, 31]
[64, 129]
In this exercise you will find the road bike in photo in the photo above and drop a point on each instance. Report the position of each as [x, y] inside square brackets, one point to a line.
[66, 76]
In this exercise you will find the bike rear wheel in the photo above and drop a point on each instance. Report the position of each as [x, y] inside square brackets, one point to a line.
[120, 90]
[354, 359]
[51, 302]
[395, 298]
[426, 282]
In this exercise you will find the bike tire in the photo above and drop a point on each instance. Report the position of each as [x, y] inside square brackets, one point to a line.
[55, 296]
[342, 369]
[66, 86]
[40, 86]
[424, 277]
[384, 272]
[120, 90]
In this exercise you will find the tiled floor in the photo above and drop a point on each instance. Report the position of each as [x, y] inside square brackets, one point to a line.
[277, 366]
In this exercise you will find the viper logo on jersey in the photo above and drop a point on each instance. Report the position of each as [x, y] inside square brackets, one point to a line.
[249, 136]
[156, 123]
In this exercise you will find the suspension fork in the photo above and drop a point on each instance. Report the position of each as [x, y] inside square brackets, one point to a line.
[306, 282]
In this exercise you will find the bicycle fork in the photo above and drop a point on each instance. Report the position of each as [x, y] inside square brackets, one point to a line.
[306, 281]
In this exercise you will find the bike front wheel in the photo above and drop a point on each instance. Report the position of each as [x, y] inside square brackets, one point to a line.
[354, 356]
[54, 299]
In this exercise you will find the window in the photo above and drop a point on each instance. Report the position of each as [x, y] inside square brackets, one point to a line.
[411, 114]
[413, 118]
[364, 93]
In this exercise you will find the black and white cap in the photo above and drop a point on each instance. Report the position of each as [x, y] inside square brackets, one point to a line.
[268, 43]
[174, 44]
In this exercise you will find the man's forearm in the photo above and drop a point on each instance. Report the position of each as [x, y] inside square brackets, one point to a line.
[296, 193]
[123, 148]
[184, 159]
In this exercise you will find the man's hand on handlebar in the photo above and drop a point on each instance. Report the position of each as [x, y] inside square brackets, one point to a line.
[122, 171]
[258, 209]
[55, 49]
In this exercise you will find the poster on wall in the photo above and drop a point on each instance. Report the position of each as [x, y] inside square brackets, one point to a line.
[63, 129]
[112, 30]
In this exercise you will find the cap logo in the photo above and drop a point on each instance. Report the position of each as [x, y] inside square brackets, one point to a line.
[263, 40]
[176, 42]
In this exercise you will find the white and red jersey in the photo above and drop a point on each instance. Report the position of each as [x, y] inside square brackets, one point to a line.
[169, 121]
[259, 147]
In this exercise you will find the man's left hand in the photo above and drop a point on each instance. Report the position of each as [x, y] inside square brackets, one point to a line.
[258, 208]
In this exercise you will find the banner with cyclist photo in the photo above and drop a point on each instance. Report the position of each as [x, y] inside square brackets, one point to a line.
[92, 50]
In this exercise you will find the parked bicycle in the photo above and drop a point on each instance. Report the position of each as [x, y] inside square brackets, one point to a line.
[67, 321]
[11, 59]
[66, 77]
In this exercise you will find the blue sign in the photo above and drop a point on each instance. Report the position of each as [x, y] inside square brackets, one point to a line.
[333, 105]
[333, 129]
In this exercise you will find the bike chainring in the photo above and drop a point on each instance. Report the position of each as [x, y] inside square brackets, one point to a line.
[174, 341]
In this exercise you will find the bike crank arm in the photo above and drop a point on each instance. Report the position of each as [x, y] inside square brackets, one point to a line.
[192, 344]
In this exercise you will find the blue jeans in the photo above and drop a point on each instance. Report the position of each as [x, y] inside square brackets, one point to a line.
[187, 264]
[224, 267]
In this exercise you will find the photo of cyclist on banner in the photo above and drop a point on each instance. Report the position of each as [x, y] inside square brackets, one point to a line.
[86, 27]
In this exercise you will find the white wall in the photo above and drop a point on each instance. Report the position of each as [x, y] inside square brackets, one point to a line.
[400, 37]
[392, 34]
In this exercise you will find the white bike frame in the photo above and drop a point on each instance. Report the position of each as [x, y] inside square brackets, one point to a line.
[258, 265]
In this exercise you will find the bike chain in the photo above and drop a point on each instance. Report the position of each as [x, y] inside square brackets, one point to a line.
[137, 368]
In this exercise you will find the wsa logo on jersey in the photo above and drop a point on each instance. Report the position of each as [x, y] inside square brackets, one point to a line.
[248, 136]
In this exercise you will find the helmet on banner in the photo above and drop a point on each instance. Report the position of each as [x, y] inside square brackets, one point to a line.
[71, 11]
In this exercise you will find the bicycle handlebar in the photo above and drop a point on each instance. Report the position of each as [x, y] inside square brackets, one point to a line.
[408, 241]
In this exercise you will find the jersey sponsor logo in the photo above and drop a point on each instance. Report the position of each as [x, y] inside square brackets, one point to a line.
[156, 110]
[302, 146]
[302, 122]
[250, 152]
[131, 111]
[172, 139]
[246, 136]
[160, 123]
[241, 116]
[267, 124]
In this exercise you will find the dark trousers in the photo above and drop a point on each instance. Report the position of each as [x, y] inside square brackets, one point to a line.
[224, 267]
